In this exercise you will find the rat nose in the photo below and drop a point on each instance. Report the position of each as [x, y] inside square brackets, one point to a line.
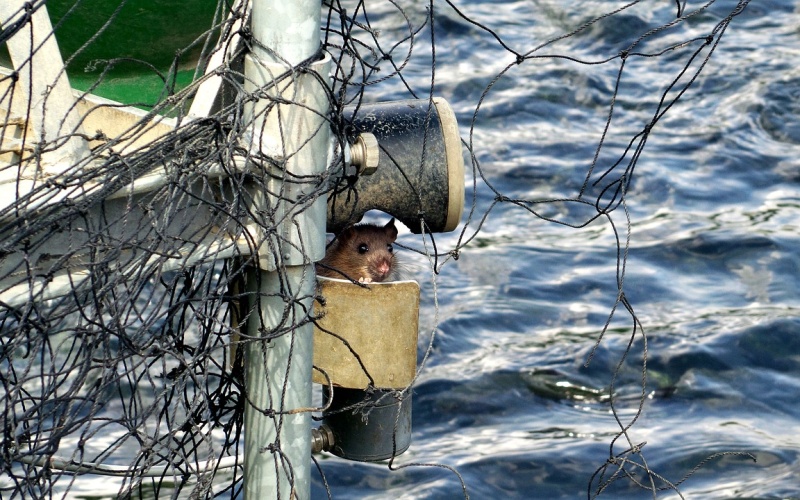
[383, 268]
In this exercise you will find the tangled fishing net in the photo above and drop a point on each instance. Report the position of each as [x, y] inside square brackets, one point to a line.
[126, 231]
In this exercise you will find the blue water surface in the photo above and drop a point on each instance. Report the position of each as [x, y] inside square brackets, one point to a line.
[676, 316]
[516, 393]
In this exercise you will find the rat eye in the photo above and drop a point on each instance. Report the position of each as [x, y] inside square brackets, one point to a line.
[389, 248]
[363, 248]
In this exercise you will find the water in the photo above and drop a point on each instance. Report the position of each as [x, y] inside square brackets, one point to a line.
[712, 271]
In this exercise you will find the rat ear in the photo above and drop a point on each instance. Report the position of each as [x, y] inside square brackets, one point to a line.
[391, 229]
[346, 234]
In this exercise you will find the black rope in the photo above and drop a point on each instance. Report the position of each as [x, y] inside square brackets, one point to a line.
[139, 349]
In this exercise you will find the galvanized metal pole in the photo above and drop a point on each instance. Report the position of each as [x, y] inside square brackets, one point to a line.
[278, 370]
[289, 30]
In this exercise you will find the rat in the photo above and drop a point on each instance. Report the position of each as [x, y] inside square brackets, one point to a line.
[362, 253]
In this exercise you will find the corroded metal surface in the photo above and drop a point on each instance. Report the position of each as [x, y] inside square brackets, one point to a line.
[420, 172]
[379, 322]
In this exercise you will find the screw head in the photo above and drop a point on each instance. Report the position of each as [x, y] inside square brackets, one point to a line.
[366, 153]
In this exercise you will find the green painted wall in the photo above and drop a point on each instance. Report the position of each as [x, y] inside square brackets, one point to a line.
[143, 36]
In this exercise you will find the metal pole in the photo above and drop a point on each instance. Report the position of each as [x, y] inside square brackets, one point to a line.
[278, 370]
[277, 455]
[289, 30]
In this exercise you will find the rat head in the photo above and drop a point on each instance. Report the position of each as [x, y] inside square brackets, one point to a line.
[369, 250]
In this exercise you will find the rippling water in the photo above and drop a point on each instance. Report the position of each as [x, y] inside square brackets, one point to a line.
[712, 270]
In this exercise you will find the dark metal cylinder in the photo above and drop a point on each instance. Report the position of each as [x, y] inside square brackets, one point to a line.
[368, 426]
[420, 172]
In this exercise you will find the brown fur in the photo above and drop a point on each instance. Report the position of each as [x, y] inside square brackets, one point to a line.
[362, 253]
